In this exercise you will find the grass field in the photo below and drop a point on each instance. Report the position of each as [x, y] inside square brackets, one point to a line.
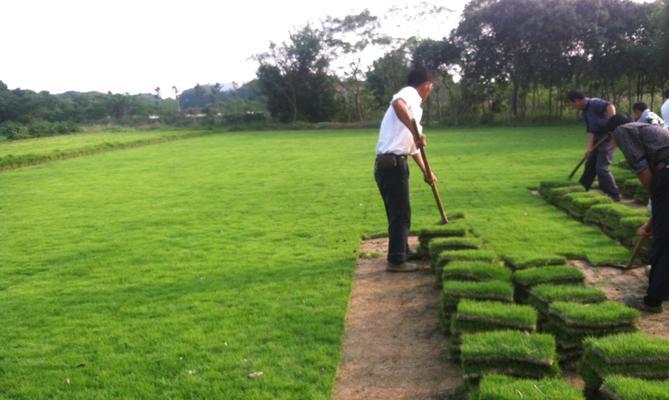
[176, 270]
[42, 149]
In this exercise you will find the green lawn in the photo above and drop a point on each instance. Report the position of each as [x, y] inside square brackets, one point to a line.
[42, 149]
[176, 270]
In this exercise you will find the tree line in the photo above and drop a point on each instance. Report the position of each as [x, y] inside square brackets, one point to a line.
[507, 61]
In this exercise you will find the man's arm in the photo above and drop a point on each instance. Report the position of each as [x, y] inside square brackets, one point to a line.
[404, 114]
[418, 158]
[611, 110]
[588, 149]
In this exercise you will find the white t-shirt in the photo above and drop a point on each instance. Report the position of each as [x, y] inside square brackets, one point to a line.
[394, 136]
[665, 113]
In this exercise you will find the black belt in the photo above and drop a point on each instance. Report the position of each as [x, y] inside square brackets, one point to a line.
[403, 156]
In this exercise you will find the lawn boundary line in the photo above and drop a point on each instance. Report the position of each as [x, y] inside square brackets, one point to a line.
[31, 159]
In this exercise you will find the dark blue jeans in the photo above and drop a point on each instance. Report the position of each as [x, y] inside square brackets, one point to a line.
[393, 184]
[658, 281]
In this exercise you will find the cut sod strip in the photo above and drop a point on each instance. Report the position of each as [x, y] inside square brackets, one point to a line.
[437, 245]
[541, 296]
[554, 195]
[475, 271]
[511, 353]
[618, 387]
[525, 279]
[545, 186]
[454, 291]
[483, 316]
[577, 204]
[457, 228]
[499, 387]
[524, 261]
[448, 256]
[632, 355]
[571, 323]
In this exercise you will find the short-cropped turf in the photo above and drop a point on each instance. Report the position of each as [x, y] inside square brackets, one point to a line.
[541, 296]
[606, 314]
[524, 261]
[438, 245]
[499, 387]
[475, 271]
[618, 387]
[447, 256]
[525, 279]
[473, 315]
[634, 355]
[507, 352]
[454, 291]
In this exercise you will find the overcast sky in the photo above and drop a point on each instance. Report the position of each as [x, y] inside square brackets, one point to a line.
[134, 46]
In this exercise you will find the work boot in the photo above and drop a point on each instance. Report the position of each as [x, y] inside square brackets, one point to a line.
[639, 304]
[414, 255]
[403, 267]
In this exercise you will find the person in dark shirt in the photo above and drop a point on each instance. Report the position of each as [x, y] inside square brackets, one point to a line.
[646, 149]
[596, 113]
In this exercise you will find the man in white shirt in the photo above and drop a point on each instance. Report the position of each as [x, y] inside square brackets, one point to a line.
[643, 114]
[665, 109]
[391, 170]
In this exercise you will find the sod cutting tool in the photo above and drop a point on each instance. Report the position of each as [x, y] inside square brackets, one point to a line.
[594, 148]
[428, 172]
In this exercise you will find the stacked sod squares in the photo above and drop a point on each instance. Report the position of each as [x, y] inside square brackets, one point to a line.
[525, 280]
[618, 387]
[500, 387]
[542, 296]
[454, 291]
[608, 216]
[456, 227]
[484, 316]
[507, 352]
[443, 258]
[577, 204]
[571, 323]
[528, 260]
[632, 355]
[554, 191]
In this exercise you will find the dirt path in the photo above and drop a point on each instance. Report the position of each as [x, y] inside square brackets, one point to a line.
[616, 283]
[393, 348]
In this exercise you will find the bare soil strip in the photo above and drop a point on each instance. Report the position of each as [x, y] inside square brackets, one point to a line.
[393, 347]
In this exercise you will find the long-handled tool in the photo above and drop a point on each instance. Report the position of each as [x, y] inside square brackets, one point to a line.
[594, 148]
[637, 250]
[428, 172]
